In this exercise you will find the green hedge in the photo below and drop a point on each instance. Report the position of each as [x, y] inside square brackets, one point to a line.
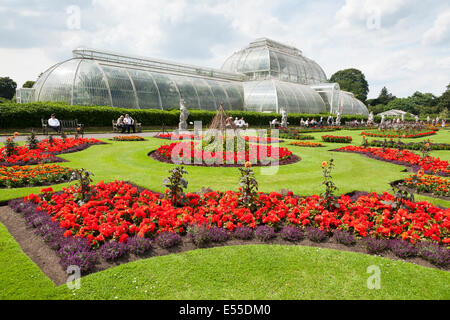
[13, 115]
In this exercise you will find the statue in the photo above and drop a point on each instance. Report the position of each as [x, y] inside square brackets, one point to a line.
[428, 119]
[338, 119]
[370, 120]
[184, 114]
[417, 118]
[284, 118]
[403, 117]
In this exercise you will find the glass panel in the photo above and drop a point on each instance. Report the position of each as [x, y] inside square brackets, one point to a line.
[58, 86]
[147, 92]
[260, 96]
[122, 92]
[207, 101]
[219, 94]
[235, 94]
[284, 72]
[170, 97]
[90, 86]
[187, 91]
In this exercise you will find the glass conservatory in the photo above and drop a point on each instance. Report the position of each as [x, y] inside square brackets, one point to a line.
[267, 76]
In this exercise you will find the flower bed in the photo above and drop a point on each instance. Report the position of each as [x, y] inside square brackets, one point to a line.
[193, 153]
[173, 136]
[428, 184]
[120, 218]
[290, 133]
[26, 176]
[265, 140]
[395, 134]
[409, 146]
[45, 151]
[337, 139]
[128, 138]
[429, 165]
[306, 144]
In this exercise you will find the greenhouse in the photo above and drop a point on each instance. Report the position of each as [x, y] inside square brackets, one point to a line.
[267, 76]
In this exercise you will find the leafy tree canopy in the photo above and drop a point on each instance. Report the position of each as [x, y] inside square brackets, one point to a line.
[7, 88]
[28, 84]
[352, 80]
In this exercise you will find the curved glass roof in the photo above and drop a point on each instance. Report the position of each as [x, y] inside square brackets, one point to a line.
[274, 95]
[83, 81]
[348, 104]
[267, 59]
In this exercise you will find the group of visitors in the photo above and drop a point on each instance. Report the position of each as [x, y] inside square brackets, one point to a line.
[311, 123]
[126, 123]
[238, 123]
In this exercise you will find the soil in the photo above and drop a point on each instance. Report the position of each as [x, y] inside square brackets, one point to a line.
[48, 261]
[157, 156]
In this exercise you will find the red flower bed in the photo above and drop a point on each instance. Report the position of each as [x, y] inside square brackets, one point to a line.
[404, 157]
[118, 210]
[338, 139]
[172, 136]
[45, 151]
[189, 151]
[128, 138]
[414, 135]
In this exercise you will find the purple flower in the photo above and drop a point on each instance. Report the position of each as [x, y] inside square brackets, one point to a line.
[375, 246]
[199, 235]
[264, 233]
[315, 234]
[344, 237]
[291, 233]
[402, 249]
[112, 250]
[168, 239]
[434, 253]
[217, 234]
[243, 233]
[139, 245]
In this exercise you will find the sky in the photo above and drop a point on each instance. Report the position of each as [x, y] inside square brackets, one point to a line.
[401, 44]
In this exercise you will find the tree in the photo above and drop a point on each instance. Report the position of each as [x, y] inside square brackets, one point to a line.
[352, 80]
[384, 97]
[28, 84]
[7, 88]
[444, 100]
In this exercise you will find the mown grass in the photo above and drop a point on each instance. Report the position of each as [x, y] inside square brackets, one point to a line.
[245, 272]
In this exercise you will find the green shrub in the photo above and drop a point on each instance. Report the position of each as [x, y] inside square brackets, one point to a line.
[14, 115]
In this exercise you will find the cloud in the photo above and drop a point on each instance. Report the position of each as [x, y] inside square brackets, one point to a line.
[440, 32]
[401, 44]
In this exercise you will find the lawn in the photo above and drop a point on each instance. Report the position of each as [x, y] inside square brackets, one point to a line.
[246, 272]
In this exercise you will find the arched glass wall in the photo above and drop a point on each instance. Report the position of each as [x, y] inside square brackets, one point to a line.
[274, 95]
[91, 82]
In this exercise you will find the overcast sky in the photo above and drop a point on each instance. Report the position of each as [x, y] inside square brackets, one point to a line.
[401, 44]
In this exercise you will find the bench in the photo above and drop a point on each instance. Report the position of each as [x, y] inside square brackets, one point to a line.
[66, 125]
[138, 126]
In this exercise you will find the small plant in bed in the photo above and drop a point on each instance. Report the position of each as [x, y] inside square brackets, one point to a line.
[337, 139]
[291, 233]
[167, 239]
[344, 237]
[128, 138]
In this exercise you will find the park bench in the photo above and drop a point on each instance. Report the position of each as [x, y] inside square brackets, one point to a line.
[66, 125]
[137, 124]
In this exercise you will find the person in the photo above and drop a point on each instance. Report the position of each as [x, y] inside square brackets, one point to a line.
[128, 124]
[236, 122]
[275, 123]
[120, 124]
[321, 122]
[242, 123]
[302, 122]
[307, 123]
[330, 121]
[54, 123]
[228, 122]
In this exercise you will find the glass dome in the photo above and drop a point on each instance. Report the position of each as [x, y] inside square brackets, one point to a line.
[267, 59]
[81, 81]
[274, 95]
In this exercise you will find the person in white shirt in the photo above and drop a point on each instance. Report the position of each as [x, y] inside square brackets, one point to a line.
[242, 123]
[275, 123]
[128, 123]
[54, 123]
